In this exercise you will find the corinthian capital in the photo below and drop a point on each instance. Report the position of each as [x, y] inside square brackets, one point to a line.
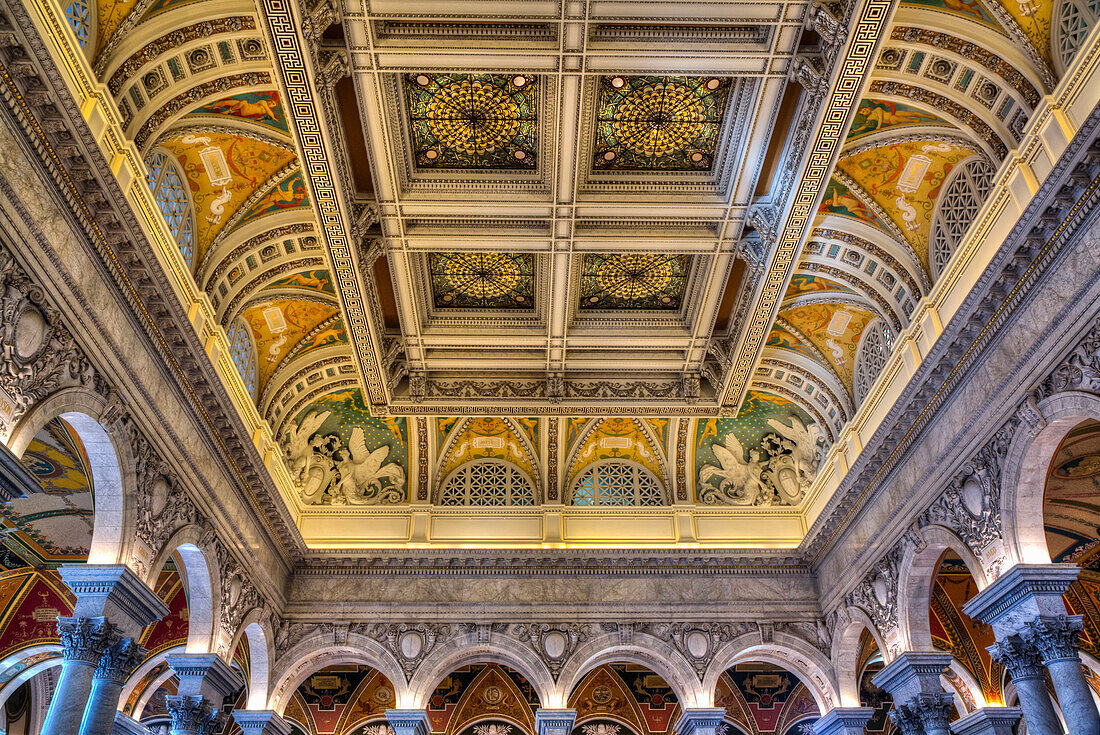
[195, 715]
[119, 660]
[85, 639]
[906, 720]
[1020, 657]
[1055, 636]
[934, 710]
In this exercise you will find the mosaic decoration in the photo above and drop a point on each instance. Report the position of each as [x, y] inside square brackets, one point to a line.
[874, 116]
[259, 107]
[487, 437]
[490, 695]
[1071, 510]
[290, 193]
[473, 121]
[971, 9]
[834, 331]
[54, 526]
[279, 325]
[840, 200]
[312, 280]
[645, 282]
[338, 699]
[783, 339]
[482, 280]
[616, 438]
[659, 123]
[805, 283]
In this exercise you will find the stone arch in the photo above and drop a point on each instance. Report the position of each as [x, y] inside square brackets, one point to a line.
[845, 653]
[465, 650]
[1023, 477]
[138, 674]
[255, 631]
[784, 650]
[201, 582]
[16, 660]
[659, 656]
[916, 575]
[316, 650]
[112, 464]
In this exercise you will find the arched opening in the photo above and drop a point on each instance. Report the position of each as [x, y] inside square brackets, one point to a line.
[869, 661]
[875, 346]
[962, 197]
[341, 698]
[974, 677]
[171, 195]
[242, 349]
[491, 482]
[761, 697]
[198, 585]
[617, 482]
[1071, 520]
[25, 705]
[1072, 21]
[624, 699]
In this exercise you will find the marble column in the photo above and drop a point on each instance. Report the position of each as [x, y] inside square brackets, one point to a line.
[205, 680]
[1057, 639]
[111, 604]
[1025, 668]
[987, 721]
[1024, 607]
[408, 721]
[844, 721]
[261, 722]
[700, 721]
[114, 668]
[921, 706]
[83, 641]
[554, 721]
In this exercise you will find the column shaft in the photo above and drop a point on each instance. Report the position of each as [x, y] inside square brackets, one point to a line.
[1074, 696]
[83, 642]
[1035, 703]
[110, 675]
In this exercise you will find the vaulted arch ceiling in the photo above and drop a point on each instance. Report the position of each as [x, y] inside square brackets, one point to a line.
[488, 306]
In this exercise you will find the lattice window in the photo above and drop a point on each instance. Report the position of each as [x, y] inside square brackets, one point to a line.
[175, 204]
[1073, 20]
[243, 352]
[874, 350]
[963, 196]
[615, 482]
[487, 482]
[79, 15]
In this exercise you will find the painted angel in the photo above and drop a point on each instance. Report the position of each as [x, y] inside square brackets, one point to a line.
[362, 472]
[739, 481]
[298, 450]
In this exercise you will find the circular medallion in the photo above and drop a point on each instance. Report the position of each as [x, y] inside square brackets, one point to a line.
[493, 695]
[383, 695]
[601, 694]
[30, 333]
[482, 275]
[411, 644]
[553, 644]
[634, 276]
[697, 643]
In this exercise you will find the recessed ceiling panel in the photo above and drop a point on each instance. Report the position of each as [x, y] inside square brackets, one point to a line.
[636, 281]
[477, 280]
[474, 122]
[658, 123]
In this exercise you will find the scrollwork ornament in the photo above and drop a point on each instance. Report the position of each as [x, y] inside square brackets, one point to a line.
[552, 643]
[119, 660]
[193, 714]
[1079, 371]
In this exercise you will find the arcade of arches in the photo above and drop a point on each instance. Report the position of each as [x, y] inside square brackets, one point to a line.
[549, 367]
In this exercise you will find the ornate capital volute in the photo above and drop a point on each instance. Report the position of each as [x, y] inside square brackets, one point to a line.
[193, 715]
[85, 639]
[1055, 637]
[1020, 658]
[119, 660]
[934, 710]
[906, 720]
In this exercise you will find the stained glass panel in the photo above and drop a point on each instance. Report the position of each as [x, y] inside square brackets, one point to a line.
[472, 121]
[646, 281]
[482, 280]
[659, 123]
[79, 18]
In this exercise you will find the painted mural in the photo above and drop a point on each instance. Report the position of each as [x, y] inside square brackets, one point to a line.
[807, 283]
[109, 16]
[55, 526]
[767, 455]
[171, 630]
[318, 279]
[338, 454]
[835, 332]
[762, 698]
[623, 699]
[783, 339]
[290, 193]
[222, 171]
[970, 9]
[617, 438]
[279, 325]
[339, 699]
[262, 108]
[904, 179]
[489, 437]
[33, 600]
[875, 116]
[840, 200]
[492, 696]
